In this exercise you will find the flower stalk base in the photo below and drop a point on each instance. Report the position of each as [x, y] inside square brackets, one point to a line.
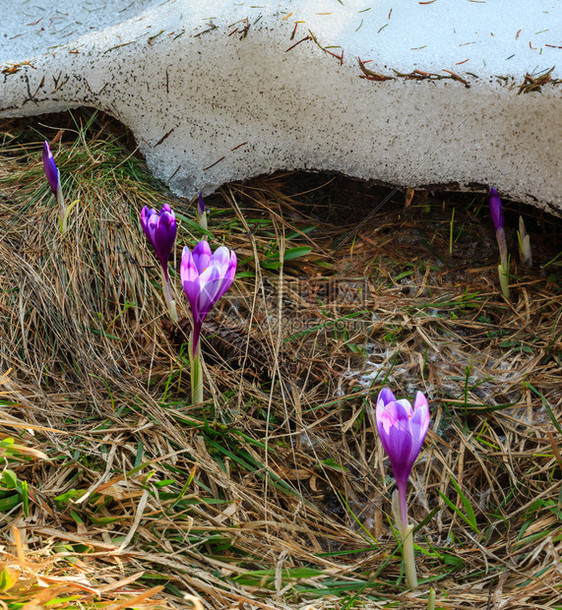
[503, 274]
[63, 217]
[409, 559]
[406, 537]
[196, 372]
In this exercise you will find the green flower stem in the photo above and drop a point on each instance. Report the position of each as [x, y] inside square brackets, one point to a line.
[503, 268]
[503, 273]
[196, 363]
[399, 511]
[409, 559]
[62, 211]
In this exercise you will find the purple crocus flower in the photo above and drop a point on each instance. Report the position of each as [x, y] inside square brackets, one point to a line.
[496, 210]
[205, 277]
[201, 204]
[160, 228]
[402, 430]
[51, 170]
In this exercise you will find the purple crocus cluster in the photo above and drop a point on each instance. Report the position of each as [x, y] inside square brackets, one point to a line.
[205, 275]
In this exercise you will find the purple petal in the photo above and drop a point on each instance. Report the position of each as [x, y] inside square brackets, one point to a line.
[50, 166]
[191, 289]
[392, 415]
[496, 210]
[420, 420]
[421, 406]
[210, 283]
[202, 290]
[190, 279]
[188, 269]
[201, 204]
[404, 409]
[386, 396]
[228, 276]
[384, 416]
[151, 223]
[221, 259]
[164, 236]
[145, 213]
[399, 447]
[202, 255]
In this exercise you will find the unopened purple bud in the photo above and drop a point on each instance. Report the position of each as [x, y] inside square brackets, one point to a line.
[160, 229]
[496, 210]
[201, 213]
[50, 166]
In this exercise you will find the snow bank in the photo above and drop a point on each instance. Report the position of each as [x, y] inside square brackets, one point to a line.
[460, 92]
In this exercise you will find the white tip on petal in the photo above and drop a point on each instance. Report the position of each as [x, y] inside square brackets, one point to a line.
[421, 403]
[406, 405]
[221, 256]
[188, 270]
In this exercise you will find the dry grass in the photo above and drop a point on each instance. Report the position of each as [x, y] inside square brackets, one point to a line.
[275, 492]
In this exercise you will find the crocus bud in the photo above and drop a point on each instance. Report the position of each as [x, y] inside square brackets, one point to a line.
[160, 229]
[201, 213]
[496, 210]
[205, 277]
[51, 170]
[525, 243]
